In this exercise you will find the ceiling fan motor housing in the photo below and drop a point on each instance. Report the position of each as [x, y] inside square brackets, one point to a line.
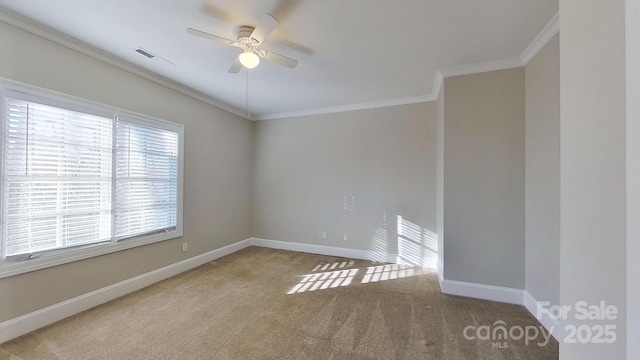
[250, 39]
[247, 43]
[244, 35]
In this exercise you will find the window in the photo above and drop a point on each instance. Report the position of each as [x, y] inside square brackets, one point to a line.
[146, 180]
[57, 178]
[79, 176]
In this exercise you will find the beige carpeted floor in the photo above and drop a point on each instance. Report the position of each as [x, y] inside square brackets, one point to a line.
[271, 304]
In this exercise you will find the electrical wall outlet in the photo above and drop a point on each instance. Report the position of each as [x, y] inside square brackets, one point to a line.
[346, 237]
[324, 235]
[185, 247]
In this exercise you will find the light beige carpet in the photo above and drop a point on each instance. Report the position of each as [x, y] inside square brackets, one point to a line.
[270, 304]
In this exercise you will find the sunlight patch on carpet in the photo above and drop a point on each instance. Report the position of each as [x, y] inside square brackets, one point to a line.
[389, 272]
[324, 280]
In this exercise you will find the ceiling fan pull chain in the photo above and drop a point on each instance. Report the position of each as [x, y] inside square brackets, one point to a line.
[247, 94]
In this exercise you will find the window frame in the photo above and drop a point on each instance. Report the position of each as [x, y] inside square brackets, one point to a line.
[17, 264]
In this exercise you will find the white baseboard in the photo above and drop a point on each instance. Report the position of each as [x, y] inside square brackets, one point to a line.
[481, 291]
[451, 287]
[324, 250]
[24, 324]
[506, 295]
[550, 323]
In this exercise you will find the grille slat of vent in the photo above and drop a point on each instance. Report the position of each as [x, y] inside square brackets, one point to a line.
[145, 53]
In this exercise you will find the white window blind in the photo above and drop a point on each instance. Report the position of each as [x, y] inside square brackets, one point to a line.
[57, 178]
[80, 179]
[146, 188]
[72, 178]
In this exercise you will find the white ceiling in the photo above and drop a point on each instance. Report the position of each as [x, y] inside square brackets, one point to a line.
[351, 53]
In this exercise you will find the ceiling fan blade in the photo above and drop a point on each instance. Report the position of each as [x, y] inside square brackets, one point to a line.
[220, 14]
[280, 59]
[284, 8]
[208, 36]
[236, 67]
[267, 24]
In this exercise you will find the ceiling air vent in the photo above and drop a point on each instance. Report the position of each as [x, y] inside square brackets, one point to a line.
[145, 53]
[148, 54]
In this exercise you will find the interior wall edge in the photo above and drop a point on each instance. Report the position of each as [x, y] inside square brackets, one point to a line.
[552, 325]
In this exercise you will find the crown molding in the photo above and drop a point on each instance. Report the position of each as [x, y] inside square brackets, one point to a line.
[56, 37]
[345, 108]
[482, 67]
[438, 80]
[547, 33]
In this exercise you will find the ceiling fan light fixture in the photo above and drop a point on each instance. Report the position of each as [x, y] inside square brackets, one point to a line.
[249, 59]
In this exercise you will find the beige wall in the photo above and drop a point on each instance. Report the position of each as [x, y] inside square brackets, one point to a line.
[217, 169]
[593, 172]
[388, 159]
[484, 174]
[385, 158]
[632, 38]
[542, 79]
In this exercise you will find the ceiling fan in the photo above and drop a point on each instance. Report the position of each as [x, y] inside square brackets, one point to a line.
[250, 40]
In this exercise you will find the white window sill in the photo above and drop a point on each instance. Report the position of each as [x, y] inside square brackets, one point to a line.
[14, 267]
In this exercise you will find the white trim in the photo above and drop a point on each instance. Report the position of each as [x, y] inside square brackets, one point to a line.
[28, 92]
[481, 291]
[322, 250]
[24, 324]
[56, 37]
[438, 80]
[345, 108]
[551, 324]
[547, 33]
[54, 258]
[482, 67]
[36, 93]
[49, 34]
